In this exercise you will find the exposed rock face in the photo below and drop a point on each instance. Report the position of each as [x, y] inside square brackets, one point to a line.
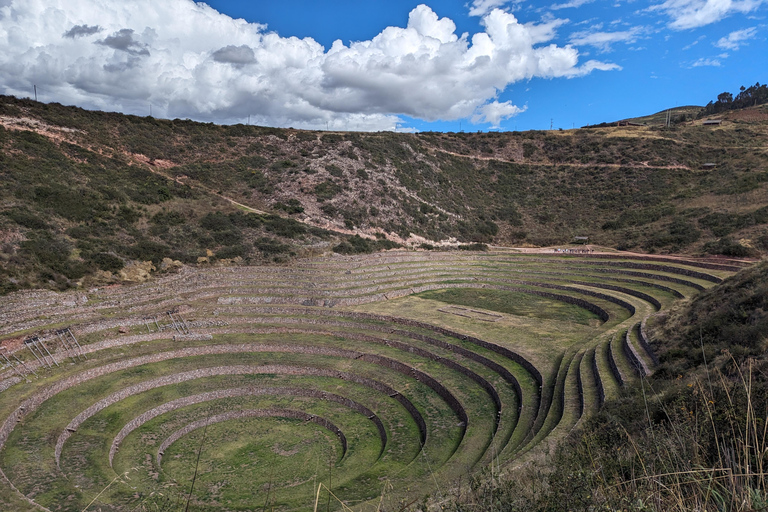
[137, 272]
[169, 265]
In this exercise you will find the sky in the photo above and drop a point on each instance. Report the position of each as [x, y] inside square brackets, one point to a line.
[383, 65]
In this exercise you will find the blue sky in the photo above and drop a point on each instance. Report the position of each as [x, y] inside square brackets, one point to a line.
[384, 65]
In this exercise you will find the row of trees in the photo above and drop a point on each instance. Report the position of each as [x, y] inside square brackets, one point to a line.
[747, 97]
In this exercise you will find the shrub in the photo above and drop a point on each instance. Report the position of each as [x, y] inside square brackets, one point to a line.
[334, 170]
[231, 236]
[287, 228]
[169, 218]
[26, 219]
[292, 206]
[216, 221]
[727, 247]
[271, 247]
[231, 252]
[76, 205]
[246, 220]
[53, 254]
[147, 250]
[108, 262]
[327, 190]
[354, 245]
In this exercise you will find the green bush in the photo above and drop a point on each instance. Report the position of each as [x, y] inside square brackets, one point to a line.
[728, 247]
[76, 205]
[26, 219]
[287, 228]
[231, 236]
[292, 206]
[231, 252]
[334, 170]
[270, 247]
[169, 218]
[217, 221]
[52, 255]
[327, 190]
[354, 245]
[108, 262]
[147, 250]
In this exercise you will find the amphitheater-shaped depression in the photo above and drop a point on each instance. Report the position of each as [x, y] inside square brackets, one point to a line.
[380, 377]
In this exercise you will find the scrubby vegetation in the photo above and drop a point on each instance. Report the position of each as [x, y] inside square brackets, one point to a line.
[76, 186]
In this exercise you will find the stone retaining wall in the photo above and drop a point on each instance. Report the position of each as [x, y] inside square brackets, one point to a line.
[643, 338]
[580, 387]
[660, 268]
[635, 361]
[598, 380]
[690, 263]
[612, 364]
[640, 295]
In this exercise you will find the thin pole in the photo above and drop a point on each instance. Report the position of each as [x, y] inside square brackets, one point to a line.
[25, 366]
[29, 346]
[49, 353]
[13, 367]
[184, 323]
[79, 348]
[67, 345]
[35, 92]
[197, 465]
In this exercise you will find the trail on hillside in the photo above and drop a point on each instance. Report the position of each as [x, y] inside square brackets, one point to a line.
[542, 164]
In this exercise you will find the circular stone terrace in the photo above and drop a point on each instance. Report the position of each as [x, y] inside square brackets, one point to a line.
[357, 380]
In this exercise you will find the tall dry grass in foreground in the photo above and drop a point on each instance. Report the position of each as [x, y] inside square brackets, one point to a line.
[697, 444]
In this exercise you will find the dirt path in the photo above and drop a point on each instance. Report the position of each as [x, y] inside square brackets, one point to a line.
[644, 165]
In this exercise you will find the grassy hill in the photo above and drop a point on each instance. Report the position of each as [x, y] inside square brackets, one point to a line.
[675, 115]
[84, 195]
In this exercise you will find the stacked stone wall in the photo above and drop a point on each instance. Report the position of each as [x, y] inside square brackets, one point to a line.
[643, 338]
[613, 366]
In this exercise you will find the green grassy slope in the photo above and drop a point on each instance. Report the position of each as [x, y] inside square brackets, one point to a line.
[435, 366]
[84, 193]
[691, 436]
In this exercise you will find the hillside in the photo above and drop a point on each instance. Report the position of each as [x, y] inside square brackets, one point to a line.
[668, 116]
[84, 195]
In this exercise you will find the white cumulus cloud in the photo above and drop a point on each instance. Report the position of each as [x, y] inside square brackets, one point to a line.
[736, 38]
[190, 61]
[496, 112]
[687, 14]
